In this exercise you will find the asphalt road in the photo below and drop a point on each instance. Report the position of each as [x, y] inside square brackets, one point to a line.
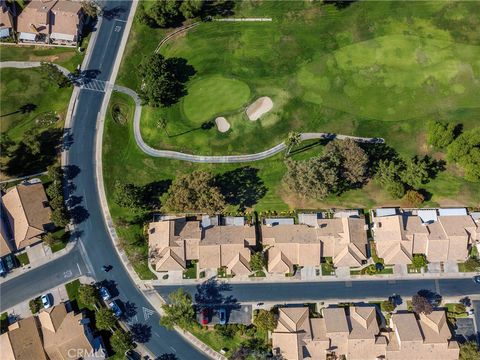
[341, 290]
[90, 226]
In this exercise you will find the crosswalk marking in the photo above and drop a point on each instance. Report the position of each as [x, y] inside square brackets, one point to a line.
[95, 85]
[147, 313]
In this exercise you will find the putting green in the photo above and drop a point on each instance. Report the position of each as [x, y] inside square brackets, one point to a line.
[214, 95]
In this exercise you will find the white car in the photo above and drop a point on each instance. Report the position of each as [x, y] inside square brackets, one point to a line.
[46, 301]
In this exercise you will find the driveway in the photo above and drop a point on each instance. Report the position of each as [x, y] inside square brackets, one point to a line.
[240, 315]
[465, 329]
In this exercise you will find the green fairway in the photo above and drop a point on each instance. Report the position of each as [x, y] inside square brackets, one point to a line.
[29, 102]
[326, 70]
[214, 95]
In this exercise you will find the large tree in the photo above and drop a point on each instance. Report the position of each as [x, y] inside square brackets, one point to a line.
[440, 135]
[88, 294]
[465, 151]
[421, 304]
[342, 166]
[163, 80]
[194, 192]
[54, 74]
[191, 8]
[165, 12]
[127, 195]
[416, 171]
[179, 312]
[469, 351]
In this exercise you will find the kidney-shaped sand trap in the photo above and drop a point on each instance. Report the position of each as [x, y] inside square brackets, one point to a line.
[259, 107]
[222, 124]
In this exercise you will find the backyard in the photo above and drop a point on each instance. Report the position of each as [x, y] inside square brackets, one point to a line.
[341, 71]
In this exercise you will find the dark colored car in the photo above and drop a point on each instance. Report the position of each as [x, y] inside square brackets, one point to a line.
[222, 316]
[476, 279]
[105, 294]
[115, 308]
[204, 317]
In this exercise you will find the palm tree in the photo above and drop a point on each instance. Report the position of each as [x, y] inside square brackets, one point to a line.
[293, 139]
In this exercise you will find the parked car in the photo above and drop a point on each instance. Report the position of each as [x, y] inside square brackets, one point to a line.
[46, 301]
[3, 269]
[204, 317]
[115, 308]
[105, 294]
[222, 316]
[476, 279]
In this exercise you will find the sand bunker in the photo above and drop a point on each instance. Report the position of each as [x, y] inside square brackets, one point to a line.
[222, 124]
[259, 107]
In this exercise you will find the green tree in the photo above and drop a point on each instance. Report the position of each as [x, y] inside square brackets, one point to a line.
[60, 216]
[465, 151]
[90, 7]
[143, 17]
[388, 176]
[293, 139]
[49, 239]
[472, 264]
[414, 198]
[419, 261]
[105, 319]
[258, 261]
[265, 320]
[194, 192]
[88, 294]
[5, 144]
[30, 139]
[121, 341]
[54, 74]
[440, 135]
[353, 161]
[165, 12]
[416, 172]
[179, 312]
[191, 8]
[387, 306]
[395, 189]
[127, 195]
[469, 351]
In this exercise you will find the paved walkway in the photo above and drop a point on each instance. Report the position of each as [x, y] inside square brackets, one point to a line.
[220, 159]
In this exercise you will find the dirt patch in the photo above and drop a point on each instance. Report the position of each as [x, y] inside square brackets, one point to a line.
[222, 124]
[259, 107]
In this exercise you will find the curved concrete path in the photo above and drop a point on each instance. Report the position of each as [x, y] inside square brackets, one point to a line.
[220, 159]
[190, 157]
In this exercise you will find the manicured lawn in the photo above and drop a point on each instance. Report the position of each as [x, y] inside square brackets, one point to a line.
[23, 259]
[62, 239]
[29, 102]
[453, 311]
[384, 271]
[191, 271]
[361, 70]
[67, 57]
[72, 291]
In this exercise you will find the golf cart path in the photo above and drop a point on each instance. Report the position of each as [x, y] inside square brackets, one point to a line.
[191, 157]
[221, 159]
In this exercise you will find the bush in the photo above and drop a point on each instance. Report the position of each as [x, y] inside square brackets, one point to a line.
[414, 198]
[35, 305]
[472, 264]
[419, 261]
[387, 306]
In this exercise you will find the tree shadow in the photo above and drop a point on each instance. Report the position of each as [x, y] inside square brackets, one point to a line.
[141, 333]
[71, 171]
[111, 14]
[221, 8]
[302, 149]
[378, 152]
[111, 286]
[79, 214]
[151, 193]
[24, 109]
[25, 159]
[242, 186]
[167, 356]
[73, 201]
[433, 297]
[130, 309]
[180, 69]
[340, 4]
[210, 294]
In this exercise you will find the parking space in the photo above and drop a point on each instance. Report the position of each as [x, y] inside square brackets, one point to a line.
[240, 315]
[465, 329]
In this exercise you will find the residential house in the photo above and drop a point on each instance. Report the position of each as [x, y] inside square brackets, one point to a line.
[54, 334]
[50, 21]
[33, 23]
[5, 243]
[66, 19]
[173, 242]
[28, 213]
[440, 234]
[354, 333]
[6, 20]
[343, 239]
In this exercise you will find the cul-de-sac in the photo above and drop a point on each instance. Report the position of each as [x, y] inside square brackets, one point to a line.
[239, 180]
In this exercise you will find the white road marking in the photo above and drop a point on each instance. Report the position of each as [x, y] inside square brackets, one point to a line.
[147, 313]
[173, 349]
[79, 270]
[67, 274]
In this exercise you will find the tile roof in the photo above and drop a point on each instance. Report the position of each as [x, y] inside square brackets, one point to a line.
[27, 208]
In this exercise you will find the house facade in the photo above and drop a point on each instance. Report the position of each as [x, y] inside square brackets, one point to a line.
[442, 235]
[355, 334]
[342, 238]
[50, 21]
[214, 245]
